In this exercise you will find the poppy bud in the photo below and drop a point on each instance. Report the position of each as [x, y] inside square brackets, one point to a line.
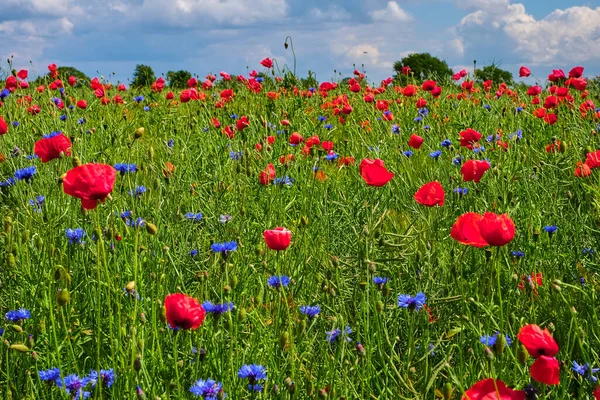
[360, 350]
[76, 162]
[137, 363]
[151, 228]
[139, 132]
[151, 153]
[335, 261]
[276, 390]
[301, 327]
[12, 262]
[448, 391]
[322, 394]
[39, 242]
[488, 354]
[556, 285]
[7, 224]
[310, 388]
[522, 354]
[242, 315]
[284, 340]
[227, 289]
[19, 347]
[17, 328]
[379, 306]
[563, 146]
[304, 220]
[143, 319]
[290, 385]
[285, 45]
[500, 344]
[63, 296]
[61, 178]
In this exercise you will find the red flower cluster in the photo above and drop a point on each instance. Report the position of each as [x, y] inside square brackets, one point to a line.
[478, 230]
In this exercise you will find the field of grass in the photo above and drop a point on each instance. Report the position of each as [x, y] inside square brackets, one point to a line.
[84, 291]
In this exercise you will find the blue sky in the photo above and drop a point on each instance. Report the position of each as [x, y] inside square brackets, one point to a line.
[102, 37]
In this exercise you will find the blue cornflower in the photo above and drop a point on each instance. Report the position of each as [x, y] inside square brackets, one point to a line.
[255, 388]
[75, 235]
[73, 383]
[286, 180]
[51, 135]
[63, 117]
[322, 118]
[457, 160]
[427, 127]
[278, 281]
[1, 332]
[260, 79]
[311, 311]
[587, 250]
[333, 335]
[491, 138]
[423, 112]
[138, 99]
[207, 389]
[224, 218]
[139, 222]
[25, 173]
[217, 309]
[517, 254]
[126, 214]
[328, 126]
[332, 156]
[224, 248]
[461, 191]
[4, 94]
[252, 372]
[71, 107]
[478, 149]
[519, 109]
[435, 154]
[56, 100]
[446, 143]
[124, 168]
[581, 282]
[171, 143]
[490, 340]
[196, 217]
[487, 106]
[81, 121]
[395, 128]
[7, 182]
[146, 108]
[193, 253]
[235, 155]
[51, 375]
[16, 123]
[418, 119]
[585, 369]
[407, 153]
[107, 378]
[138, 191]
[234, 116]
[412, 303]
[550, 229]
[518, 134]
[18, 315]
[378, 280]
[37, 203]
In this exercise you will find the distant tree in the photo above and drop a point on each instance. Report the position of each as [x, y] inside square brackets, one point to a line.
[143, 75]
[422, 66]
[178, 79]
[493, 73]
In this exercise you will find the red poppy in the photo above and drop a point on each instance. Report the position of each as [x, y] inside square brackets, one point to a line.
[311, 141]
[524, 72]
[267, 63]
[82, 104]
[53, 70]
[553, 147]
[225, 76]
[556, 75]
[546, 370]
[374, 172]
[468, 137]
[582, 170]
[327, 145]
[183, 311]
[473, 170]
[538, 342]
[90, 183]
[550, 119]
[430, 194]
[270, 139]
[533, 282]
[121, 87]
[466, 230]
[409, 91]
[576, 72]
[22, 74]
[405, 70]
[497, 230]
[421, 102]
[192, 82]
[3, 126]
[296, 138]
[415, 141]
[51, 148]
[278, 238]
[436, 91]
[492, 389]
[429, 85]
[593, 159]
[550, 102]
[267, 175]
[242, 123]
[596, 393]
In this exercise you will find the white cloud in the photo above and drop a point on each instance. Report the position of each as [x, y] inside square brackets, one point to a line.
[392, 13]
[333, 13]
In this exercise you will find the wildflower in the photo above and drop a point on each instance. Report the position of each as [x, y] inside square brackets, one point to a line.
[193, 253]
[331, 156]
[278, 281]
[106, 377]
[430, 194]
[407, 153]
[538, 342]
[457, 160]
[490, 340]
[25, 173]
[235, 155]
[585, 369]
[333, 335]
[435, 154]
[183, 312]
[217, 309]
[196, 217]
[446, 143]
[546, 370]
[63, 117]
[75, 235]
[328, 126]
[497, 230]
[374, 172]
[37, 203]
[51, 375]
[461, 191]
[395, 129]
[311, 311]
[207, 389]
[124, 168]
[253, 373]
[90, 183]
[517, 254]
[278, 238]
[224, 218]
[7, 182]
[587, 250]
[285, 181]
[224, 248]
[138, 191]
[492, 389]
[412, 303]
[478, 149]
[138, 99]
[18, 315]
[321, 118]
[378, 280]
[73, 383]
[81, 121]
[171, 143]
[550, 229]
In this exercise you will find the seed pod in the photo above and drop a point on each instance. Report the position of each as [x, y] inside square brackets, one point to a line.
[201, 354]
[7, 223]
[12, 262]
[284, 340]
[500, 344]
[63, 297]
[137, 363]
[301, 327]
[16, 328]
[19, 347]
[379, 306]
[139, 132]
[241, 315]
[76, 161]
[151, 228]
[522, 354]
[489, 354]
[151, 153]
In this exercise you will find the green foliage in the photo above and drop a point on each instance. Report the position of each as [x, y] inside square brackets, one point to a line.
[494, 73]
[178, 79]
[143, 75]
[423, 66]
[64, 73]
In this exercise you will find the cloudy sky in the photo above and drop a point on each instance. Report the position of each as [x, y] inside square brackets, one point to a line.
[102, 37]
